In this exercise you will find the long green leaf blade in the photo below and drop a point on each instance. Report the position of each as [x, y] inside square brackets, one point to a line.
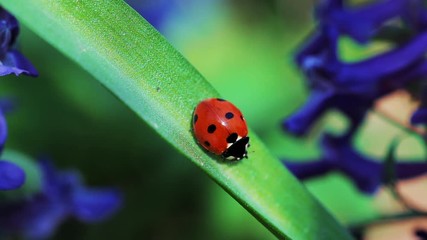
[128, 56]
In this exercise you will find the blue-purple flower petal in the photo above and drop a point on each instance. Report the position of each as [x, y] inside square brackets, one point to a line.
[352, 88]
[419, 116]
[316, 104]
[11, 176]
[155, 12]
[415, 15]
[407, 170]
[3, 130]
[15, 63]
[321, 47]
[63, 195]
[6, 105]
[11, 61]
[9, 30]
[309, 168]
[372, 71]
[360, 23]
[365, 172]
[39, 218]
[91, 205]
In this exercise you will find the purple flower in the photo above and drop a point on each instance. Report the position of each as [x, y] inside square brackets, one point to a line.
[360, 23]
[352, 88]
[12, 61]
[63, 195]
[11, 175]
[420, 115]
[415, 15]
[3, 128]
[366, 173]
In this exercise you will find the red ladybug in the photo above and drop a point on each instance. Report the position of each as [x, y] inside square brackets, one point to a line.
[220, 127]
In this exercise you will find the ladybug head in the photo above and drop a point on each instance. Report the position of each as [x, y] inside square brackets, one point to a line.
[237, 150]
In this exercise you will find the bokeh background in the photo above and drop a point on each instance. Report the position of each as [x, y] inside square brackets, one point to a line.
[244, 49]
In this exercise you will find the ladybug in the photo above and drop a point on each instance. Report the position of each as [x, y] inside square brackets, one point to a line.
[220, 127]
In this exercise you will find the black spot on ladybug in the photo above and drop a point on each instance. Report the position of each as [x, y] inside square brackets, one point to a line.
[220, 99]
[211, 128]
[229, 115]
[195, 118]
[241, 117]
[207, 144]
[232, 138]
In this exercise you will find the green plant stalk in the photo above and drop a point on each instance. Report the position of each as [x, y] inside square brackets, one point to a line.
[126, 54]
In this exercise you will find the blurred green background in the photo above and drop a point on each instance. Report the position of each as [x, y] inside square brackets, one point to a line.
[244, 48]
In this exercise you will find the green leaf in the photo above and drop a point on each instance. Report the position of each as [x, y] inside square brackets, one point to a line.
[117, 46]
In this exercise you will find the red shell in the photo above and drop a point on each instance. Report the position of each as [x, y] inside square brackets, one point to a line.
[215, 120]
